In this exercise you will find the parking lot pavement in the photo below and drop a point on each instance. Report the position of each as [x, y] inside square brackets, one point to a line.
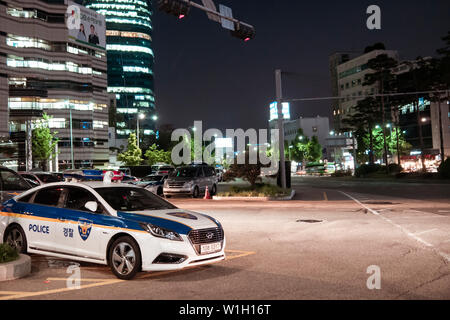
[322, 246]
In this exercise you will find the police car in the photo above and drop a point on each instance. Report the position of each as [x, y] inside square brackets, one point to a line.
[124, 226]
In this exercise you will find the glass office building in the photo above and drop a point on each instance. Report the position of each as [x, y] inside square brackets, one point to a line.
[130, 63]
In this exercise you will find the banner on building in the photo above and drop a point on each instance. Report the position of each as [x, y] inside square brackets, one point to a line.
[85, 26]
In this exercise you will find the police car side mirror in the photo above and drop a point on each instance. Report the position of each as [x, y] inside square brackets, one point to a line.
[91, 206]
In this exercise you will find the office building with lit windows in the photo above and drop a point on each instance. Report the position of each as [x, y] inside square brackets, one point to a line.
[130, 63]
[347, 78]
[45, 67]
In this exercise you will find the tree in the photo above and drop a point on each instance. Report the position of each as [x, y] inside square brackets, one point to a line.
[444, 61]
[155, 155]
[299, 148]
[314, 150]
[362, 121]
[248, 172]
[382, 66]
[44, 141]
[133, 155]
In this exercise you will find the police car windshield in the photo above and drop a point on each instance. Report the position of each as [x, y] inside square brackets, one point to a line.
[132, 199]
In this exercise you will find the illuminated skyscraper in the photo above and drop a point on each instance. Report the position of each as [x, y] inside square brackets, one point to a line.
[130, 62]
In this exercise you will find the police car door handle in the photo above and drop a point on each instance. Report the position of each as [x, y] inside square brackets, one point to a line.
[61, 219]
[27, 213]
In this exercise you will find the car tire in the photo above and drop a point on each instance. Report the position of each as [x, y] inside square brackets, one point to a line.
[16, 238]
[213, 190]
[196, 192]
[124, 258]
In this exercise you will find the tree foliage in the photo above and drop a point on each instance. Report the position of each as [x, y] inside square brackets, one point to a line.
[248, 172]
[44, 141]
[133, 155]
[155, 155]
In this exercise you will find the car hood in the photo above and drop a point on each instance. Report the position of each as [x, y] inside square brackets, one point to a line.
[178, 220]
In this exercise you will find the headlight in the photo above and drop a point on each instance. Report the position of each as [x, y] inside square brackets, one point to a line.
[161, 232]
[188, 184]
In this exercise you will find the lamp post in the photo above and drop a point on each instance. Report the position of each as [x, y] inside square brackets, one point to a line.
[139, 117]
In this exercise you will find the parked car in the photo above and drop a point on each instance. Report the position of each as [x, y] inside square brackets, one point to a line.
[154, 183]
[39, 178]
[162, 169]
[191, 180]
[123, 226]
[11, 184]
[219, 174]
[130, 179]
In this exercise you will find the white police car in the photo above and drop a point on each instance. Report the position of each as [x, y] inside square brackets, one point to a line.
[121, 225]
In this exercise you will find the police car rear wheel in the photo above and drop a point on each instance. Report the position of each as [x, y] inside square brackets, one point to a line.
[15, 237]
[125, 258]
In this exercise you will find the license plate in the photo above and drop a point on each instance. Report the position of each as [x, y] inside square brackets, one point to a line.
[210, 247]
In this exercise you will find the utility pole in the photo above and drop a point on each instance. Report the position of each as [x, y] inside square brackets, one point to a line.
[280, 122]
[441, 135]
[71, 137]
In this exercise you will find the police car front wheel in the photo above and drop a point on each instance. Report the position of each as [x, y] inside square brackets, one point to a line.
[15, 237]
[125, 258]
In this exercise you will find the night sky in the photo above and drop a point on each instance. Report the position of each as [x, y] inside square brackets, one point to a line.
[203, 73]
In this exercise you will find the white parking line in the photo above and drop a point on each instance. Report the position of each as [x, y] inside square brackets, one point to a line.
[426, 231]
[408, 233]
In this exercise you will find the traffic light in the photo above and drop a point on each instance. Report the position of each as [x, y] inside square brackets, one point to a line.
[178, 8]
[243, 32]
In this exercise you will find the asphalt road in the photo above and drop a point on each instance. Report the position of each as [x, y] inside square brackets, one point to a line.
[318, 246]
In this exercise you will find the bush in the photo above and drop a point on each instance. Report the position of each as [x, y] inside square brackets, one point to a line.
[367, 169]
[258, 190]
[395, 168]
[342, 173]
[7, 253]
[444, 169]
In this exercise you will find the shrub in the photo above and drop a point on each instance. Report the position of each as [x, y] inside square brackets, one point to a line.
[7, 253]
[395, 168]
[366, 169]
[342, 173]
[258, 190]
[444, 169]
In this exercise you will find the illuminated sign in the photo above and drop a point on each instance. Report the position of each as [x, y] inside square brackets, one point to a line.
[285, 110]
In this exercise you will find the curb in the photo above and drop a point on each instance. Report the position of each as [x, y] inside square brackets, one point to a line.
[15, 269]
[256, 198]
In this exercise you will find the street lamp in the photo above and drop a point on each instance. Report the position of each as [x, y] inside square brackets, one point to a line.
[140, 117]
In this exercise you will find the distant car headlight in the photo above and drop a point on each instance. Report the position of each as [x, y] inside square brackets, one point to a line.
[161, 232]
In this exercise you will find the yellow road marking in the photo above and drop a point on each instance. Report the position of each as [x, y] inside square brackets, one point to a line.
[86, 279]
[241, 254]
[325, 196]
[12, 292]
[102, 282]
[45, 292]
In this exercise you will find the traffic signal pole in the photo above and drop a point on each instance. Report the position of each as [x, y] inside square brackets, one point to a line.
[180, 8]
[280, 122]
[207, 10]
